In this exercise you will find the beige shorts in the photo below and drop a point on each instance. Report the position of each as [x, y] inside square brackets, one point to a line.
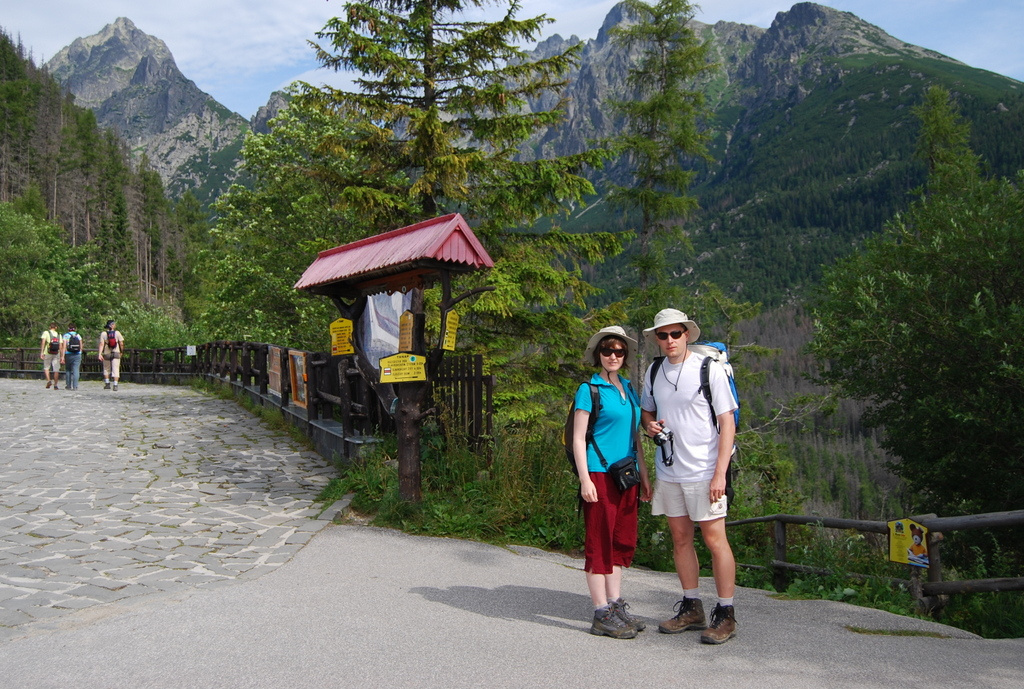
[691, 500]
[51, 362]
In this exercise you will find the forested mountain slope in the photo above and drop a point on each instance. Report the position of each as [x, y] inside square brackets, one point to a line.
[813, 142]
[68, 170]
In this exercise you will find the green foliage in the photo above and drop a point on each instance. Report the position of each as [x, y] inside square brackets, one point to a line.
[924, 325]
[524, 494]
[842, 553]
[984, 555]
[30, 291]
[266, 235]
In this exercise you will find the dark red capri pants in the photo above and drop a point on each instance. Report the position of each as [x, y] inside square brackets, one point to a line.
[610, 525]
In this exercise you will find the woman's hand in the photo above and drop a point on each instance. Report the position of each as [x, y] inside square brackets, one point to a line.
[646, 492]
[588, 491]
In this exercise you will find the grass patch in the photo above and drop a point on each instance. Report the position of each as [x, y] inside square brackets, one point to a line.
[896, 632]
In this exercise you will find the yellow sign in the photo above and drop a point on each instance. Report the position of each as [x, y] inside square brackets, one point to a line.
[451, 327]
[908, 542]
[405, 325]
[341, 337]
[403, 368]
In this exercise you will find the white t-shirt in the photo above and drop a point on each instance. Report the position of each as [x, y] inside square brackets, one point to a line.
[676, 398]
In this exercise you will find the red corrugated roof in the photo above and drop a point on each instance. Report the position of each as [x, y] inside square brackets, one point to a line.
[447, 239]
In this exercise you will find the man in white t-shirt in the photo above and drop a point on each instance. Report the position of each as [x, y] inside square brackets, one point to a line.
[691, 468]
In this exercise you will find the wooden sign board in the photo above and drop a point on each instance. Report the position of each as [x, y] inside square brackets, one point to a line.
[405, 328]
[297, 370]
[403, 368]
[451, 327]
[274, 370]
[908, 542]
[341, 337]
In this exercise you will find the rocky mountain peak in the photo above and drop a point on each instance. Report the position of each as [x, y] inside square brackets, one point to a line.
[95, 67]
[130, 80]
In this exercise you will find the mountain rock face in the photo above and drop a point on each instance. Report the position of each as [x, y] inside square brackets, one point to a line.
[130, 80]
[812, 135]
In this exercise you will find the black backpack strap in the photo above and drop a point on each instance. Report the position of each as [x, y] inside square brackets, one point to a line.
[705, 389]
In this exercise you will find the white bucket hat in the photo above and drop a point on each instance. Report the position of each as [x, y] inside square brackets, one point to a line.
[670, 317]
[610, 331]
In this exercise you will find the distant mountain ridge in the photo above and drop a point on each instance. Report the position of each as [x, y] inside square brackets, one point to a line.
[812, 125]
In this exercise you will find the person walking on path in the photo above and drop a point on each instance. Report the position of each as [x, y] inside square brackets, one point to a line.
[110, 348]
[73, 354]
[51, 351]
[609, 513]
[691, 465]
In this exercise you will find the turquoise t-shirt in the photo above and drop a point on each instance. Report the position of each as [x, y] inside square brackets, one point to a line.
[612, 432]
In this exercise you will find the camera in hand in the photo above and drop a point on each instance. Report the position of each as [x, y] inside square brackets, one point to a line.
[663, 436]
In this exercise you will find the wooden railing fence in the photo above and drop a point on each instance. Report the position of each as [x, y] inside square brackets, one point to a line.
[327, 396]
[929, 593]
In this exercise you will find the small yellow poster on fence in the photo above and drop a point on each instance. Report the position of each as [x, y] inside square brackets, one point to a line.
[403, 368]
[451, 327]
[908, 542]
[341, 337]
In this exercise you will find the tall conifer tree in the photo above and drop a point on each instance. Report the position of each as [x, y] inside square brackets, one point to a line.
[660, 135]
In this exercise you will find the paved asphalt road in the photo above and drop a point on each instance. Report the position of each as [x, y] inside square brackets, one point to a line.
[351, 605]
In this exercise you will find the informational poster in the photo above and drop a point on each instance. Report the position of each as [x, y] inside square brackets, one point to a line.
[297, 369]
[405, 328]
[274, 370]
[403, 368]
[451, 327]
[908, 542]
[190, 350]
[341, 337]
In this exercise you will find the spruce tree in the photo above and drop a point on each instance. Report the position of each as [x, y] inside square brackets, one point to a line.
[660, 138]
[441, 116]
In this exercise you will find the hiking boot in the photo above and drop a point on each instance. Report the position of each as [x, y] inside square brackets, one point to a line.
[115, 387]
[723, 625]
[48, 384]
[608, 623]
[106, 386]
[689, 615]
[620, 606]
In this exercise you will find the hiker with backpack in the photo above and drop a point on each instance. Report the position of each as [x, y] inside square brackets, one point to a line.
[110, 348]
[51, 351]
[694, 429]
[608, 458]
[73, 353]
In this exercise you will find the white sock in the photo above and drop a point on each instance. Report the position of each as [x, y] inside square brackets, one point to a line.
[725, 601]
[691, 593]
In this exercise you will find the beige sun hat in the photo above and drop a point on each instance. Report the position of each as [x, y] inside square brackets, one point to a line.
[670, 317]
[610, 331]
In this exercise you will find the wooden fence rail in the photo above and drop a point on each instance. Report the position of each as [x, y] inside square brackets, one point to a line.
[929, 593]
[328, 397]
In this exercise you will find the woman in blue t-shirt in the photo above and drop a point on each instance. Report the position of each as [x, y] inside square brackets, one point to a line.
[609, 514]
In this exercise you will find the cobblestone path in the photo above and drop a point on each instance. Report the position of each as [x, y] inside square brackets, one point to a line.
[108, 495]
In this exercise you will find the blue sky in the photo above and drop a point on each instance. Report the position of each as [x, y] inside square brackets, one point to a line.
[239, 51]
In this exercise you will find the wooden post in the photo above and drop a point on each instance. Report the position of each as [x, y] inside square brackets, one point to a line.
[779, 577]
[263, 363]
[409, 414]
[344, 394]
[246, 365]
